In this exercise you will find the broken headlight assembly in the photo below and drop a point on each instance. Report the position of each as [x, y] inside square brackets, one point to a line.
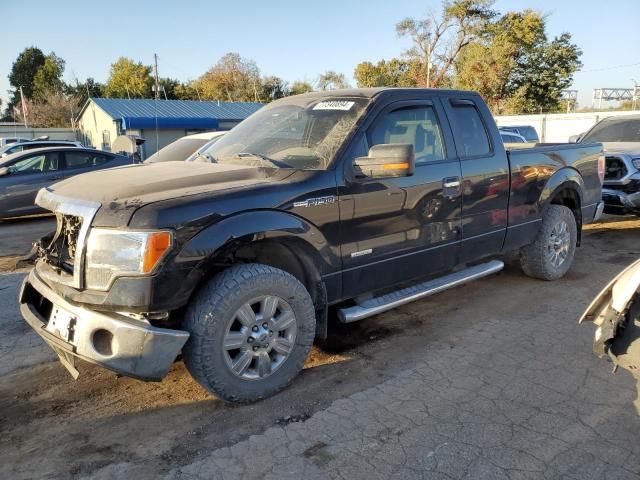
[116, 253]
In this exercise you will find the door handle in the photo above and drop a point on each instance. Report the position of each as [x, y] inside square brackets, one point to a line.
[451, 187]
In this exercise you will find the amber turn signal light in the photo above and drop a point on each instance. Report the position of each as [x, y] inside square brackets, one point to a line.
[157, 244]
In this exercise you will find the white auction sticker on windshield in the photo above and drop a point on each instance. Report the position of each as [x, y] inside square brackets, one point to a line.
[334, 105]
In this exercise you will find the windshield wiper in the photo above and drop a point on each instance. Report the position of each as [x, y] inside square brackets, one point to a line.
[275, 163]
[204, 157]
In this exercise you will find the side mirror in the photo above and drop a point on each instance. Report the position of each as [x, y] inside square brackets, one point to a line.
[576, 138]
[4, 171]
[385, 161]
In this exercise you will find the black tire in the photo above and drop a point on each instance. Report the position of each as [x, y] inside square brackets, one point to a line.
[214, 307]
[536, 258]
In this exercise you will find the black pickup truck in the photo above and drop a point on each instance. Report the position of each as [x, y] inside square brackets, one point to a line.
[359, 199]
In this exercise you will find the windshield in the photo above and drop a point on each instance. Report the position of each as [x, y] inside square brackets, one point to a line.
[614, 130]
[296, 132]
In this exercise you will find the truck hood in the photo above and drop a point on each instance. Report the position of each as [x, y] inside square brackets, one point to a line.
[121, 191]
[629, 148]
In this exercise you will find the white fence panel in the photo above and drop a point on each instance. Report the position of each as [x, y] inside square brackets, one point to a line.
[558, 127]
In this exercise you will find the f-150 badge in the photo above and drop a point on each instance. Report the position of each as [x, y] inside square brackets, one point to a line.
[315, 202]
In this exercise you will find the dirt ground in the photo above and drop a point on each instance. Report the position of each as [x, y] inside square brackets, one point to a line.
[103, 426]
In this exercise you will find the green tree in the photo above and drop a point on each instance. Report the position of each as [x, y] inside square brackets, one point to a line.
[186, 91]
[392, 73]
[515, 68]
[300, 86]
[549, 71]
[23, 71]
[81, 91]
[48, 78]
[129, 79]
[272, 88]
[168, 87]
[437, 42]
[233, 78]
[331, 80]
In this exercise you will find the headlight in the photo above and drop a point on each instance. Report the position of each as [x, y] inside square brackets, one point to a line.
[113, 253]
[636, 162]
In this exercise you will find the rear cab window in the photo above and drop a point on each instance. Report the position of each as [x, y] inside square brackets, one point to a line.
[470, 132]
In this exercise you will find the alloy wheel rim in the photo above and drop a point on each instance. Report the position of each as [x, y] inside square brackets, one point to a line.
[559, 244]
[259, 337]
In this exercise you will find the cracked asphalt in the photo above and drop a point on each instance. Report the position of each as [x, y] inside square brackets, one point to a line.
[493, 380]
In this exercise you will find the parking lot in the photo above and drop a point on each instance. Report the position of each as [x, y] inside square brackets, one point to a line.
[491, 380]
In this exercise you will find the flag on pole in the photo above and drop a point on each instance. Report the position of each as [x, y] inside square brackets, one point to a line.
[24, 107]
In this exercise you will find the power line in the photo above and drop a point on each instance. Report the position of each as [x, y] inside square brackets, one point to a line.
[608, 68]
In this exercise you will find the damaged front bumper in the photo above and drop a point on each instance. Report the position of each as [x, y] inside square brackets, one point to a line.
[126, 345]
[616, 314]
[620, 202]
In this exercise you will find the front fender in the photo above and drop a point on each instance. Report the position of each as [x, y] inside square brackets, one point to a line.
[254, 226]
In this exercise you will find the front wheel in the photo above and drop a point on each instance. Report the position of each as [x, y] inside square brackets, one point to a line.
[251, 328]
[551, 254]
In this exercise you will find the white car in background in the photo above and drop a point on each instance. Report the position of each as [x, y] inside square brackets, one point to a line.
[8, 140]
[21, 146]
[185, 148]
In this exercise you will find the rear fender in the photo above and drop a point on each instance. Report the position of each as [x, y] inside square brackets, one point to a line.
[566, 177]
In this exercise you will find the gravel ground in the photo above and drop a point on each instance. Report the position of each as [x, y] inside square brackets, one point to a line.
[491, 380]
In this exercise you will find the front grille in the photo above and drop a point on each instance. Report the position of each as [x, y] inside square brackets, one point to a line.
[615, 168]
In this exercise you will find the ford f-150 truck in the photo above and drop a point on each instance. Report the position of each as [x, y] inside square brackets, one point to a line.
[359, 199]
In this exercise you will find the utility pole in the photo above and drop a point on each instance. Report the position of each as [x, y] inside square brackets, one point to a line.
[429, 65]
[155, 59]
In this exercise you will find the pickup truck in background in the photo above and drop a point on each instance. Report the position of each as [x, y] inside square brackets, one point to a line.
[361, 199]
[620, 137]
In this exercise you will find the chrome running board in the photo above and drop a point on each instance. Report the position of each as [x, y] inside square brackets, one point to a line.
[374, 306]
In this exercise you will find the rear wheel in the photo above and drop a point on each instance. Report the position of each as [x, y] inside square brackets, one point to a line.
[251, 327]
[551, 254]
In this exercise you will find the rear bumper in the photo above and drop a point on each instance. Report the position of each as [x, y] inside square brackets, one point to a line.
[115, 341]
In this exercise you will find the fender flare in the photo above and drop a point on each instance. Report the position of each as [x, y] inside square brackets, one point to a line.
[566, 177]
[258, 225]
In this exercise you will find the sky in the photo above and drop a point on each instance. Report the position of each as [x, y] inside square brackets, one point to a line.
[295, 40]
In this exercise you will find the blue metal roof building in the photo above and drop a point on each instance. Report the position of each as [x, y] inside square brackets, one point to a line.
[101, 120]
[178, 114]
